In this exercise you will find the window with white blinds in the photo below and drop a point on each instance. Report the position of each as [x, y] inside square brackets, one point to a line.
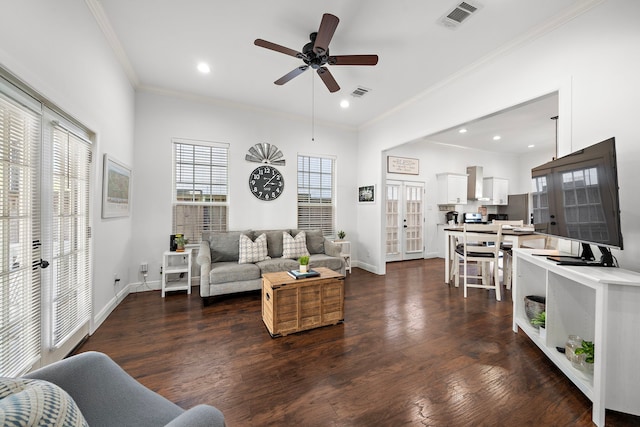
[201, 187]
[315, 194]
[20, 293]
[70, 239]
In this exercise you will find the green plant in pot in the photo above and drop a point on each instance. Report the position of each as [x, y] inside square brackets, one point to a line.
[180, 242]
[304, 263]
[540, 320]
[588, 349]
[341, 234]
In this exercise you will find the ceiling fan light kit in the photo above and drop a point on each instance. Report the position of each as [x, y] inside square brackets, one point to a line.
[315, 54]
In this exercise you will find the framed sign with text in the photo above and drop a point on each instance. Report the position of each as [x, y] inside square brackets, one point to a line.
[403, 165]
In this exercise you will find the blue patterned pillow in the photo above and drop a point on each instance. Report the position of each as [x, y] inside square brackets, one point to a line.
[252, 251]
[294, 247]
[27, 402]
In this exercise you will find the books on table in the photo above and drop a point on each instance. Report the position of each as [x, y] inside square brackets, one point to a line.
[297, 274]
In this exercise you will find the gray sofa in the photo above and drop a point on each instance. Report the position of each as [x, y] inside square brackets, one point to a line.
[91, 389]
[220, 272]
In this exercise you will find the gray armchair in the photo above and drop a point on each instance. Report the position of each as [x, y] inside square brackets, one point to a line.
[108, 396]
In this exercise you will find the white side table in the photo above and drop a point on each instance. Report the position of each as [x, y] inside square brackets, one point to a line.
[176, 271]
[345, 252]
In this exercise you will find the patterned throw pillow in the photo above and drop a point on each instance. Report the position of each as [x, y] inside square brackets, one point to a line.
[294, 247]
[252, 251]
[37, 402]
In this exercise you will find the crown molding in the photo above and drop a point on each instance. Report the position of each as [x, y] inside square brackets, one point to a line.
[109, 33]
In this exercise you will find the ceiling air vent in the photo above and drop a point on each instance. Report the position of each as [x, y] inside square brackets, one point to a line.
[459, 14]
[360, 91]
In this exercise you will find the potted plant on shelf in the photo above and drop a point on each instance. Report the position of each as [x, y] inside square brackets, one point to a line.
[180, 242]
[304, 264]
[585, 356]
[541, 321]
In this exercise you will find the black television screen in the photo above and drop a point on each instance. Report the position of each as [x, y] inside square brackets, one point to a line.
[576, 197]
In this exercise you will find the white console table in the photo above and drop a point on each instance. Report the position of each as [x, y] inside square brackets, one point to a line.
[597, 303]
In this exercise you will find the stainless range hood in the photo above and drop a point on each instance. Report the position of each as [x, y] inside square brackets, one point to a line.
[475, 183]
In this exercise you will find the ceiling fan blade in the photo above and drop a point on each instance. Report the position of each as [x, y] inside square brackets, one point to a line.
[328, 79]
[328, 26]
[278, 48]
[353, 60]
[296, 72]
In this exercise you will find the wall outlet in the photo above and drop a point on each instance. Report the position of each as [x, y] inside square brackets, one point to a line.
[144, 267]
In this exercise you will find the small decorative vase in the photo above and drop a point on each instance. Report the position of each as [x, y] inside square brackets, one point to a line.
[543, 332]
[579, 361]
[304, 268]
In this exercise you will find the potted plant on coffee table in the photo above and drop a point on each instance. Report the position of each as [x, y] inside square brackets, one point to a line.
[304, 264]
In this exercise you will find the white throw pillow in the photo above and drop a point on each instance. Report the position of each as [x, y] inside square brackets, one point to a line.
[294, 247]
[252, 251]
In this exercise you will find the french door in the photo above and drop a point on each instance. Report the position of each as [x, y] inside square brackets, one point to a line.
[66, 237]
[45, 293]
[404, 205]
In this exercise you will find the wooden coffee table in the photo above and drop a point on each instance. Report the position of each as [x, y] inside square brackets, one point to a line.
[292, 305]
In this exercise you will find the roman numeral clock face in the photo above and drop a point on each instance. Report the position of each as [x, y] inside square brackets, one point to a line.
[266, 183]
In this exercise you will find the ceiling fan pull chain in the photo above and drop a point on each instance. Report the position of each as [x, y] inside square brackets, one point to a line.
[313, 109]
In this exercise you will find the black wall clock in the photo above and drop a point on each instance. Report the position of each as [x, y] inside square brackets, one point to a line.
[266, 183]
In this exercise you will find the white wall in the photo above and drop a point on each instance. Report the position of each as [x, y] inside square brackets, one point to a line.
[57, 48]
[161, 117]
[592, 61]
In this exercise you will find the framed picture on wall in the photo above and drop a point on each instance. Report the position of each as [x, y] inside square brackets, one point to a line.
[403, 165]
[116, 188]
[367, 194]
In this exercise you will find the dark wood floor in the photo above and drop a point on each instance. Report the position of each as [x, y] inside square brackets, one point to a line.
[412, 351]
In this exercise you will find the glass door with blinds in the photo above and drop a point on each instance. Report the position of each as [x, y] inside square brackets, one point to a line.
[20, 289]
[404, 212]
[45, 265]
[66, 236]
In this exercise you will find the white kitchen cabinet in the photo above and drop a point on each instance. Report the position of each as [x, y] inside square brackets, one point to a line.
[599, 304]
[452, 188]
[496, 189]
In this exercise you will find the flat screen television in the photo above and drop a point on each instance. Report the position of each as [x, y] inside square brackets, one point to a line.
[576, 197]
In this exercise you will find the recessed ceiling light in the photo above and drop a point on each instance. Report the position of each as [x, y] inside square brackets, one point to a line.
[531, 145]
[344, 103]
[204, 68]
[497, 138]
[463, 130]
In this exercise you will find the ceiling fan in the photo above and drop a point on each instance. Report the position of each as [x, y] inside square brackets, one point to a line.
[315, 54]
